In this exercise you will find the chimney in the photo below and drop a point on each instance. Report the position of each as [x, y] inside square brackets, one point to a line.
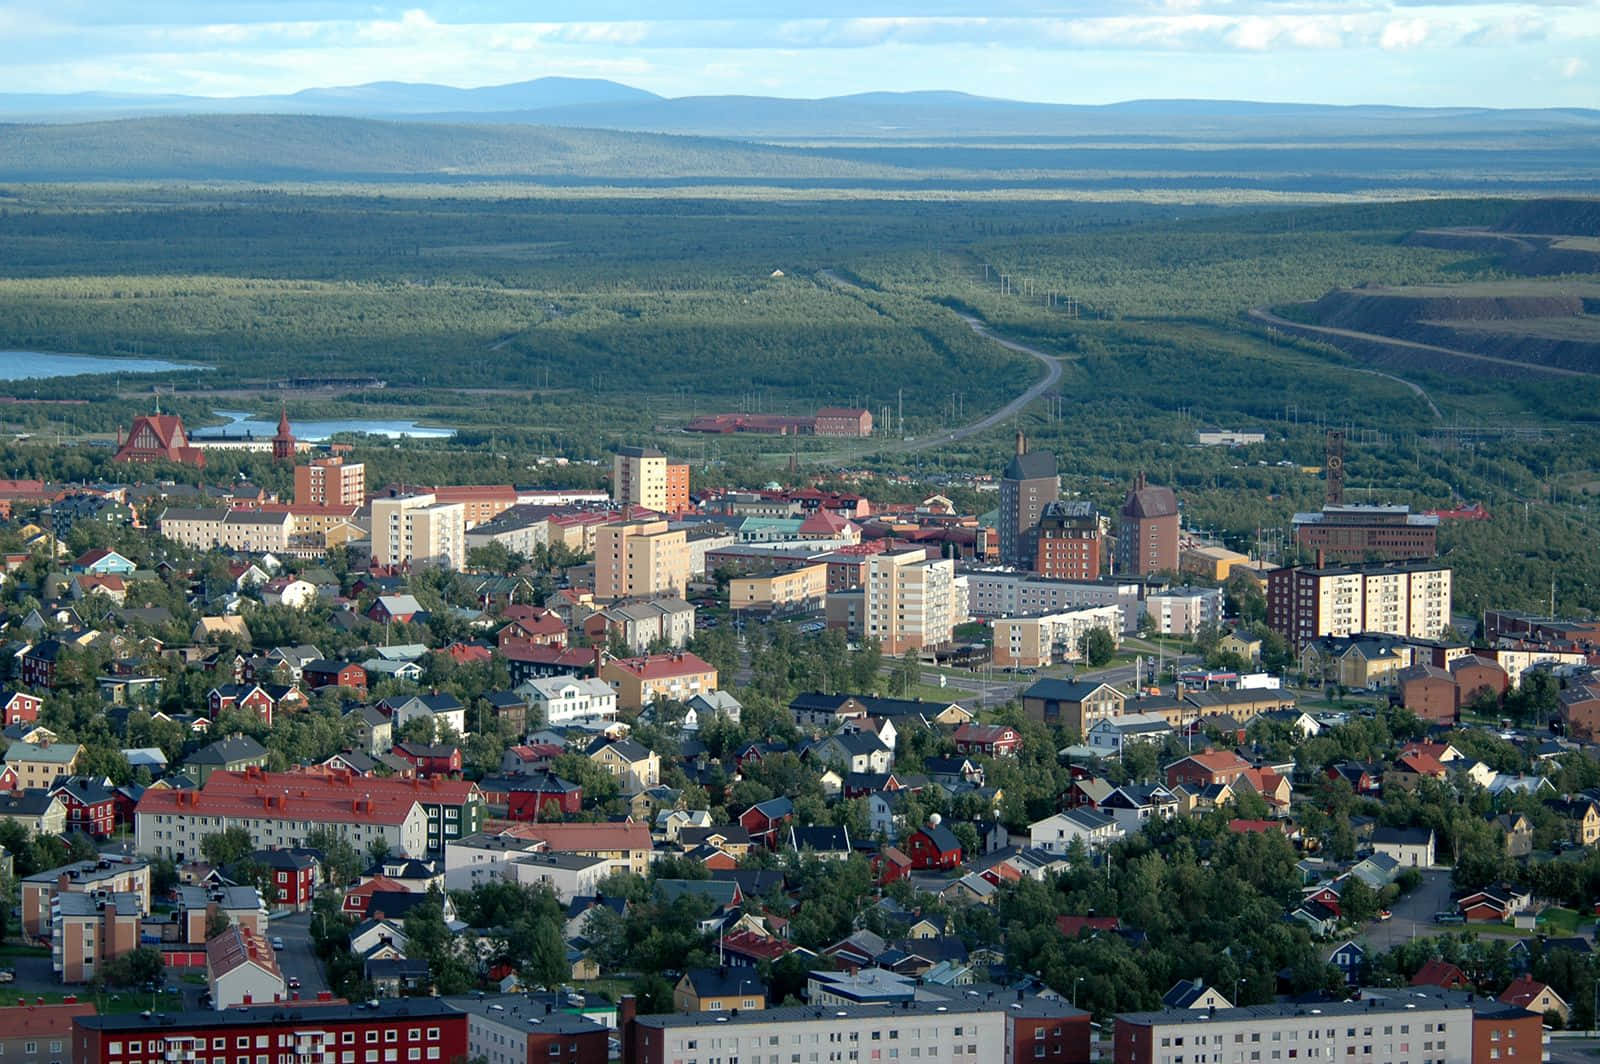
[627, 1009]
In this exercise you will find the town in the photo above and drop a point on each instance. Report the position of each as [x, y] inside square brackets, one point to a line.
[507, 773]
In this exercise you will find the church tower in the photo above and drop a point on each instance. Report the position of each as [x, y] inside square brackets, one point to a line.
[283, 442]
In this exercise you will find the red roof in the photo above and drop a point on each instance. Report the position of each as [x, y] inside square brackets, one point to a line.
[760, 947]
[1524, 990]
[47, 1021]
[237, 947]
[661, 666]
[1253, 827]
[1440, 973]
[545, 654]
[468, 653]
[580, 838]
[1422, 764]
[1070, 926]
[314, 793]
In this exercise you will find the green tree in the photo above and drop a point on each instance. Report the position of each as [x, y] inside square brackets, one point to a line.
[224, 848]
[1097, 646]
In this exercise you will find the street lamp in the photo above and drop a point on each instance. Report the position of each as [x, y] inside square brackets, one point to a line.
[1075, 983]
[1236, 983]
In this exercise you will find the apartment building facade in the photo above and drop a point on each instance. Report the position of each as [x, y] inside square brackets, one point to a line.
[911, 601]
[107, 875]
[1050, 638]
[1410, 599]
[1029, 483]
[330, 482]
[419, 1030]
[1147, 535]
[247, 531]
[640, 559]
[418, 530]
[1184, 610]
[1070, 544]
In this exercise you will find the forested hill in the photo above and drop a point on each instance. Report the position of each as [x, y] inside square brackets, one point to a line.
[278, 147]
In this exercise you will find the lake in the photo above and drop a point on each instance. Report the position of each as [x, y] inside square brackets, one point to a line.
[34, 365]
[240, 423]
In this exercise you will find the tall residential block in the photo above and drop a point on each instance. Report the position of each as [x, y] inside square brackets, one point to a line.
[912, 601]
[640, 559]
[413, 530]
[1070, 541]
[1029, 483]
[677, 497]
[639, 478]
[330, 482]
[1147, 537]
[1409, 599]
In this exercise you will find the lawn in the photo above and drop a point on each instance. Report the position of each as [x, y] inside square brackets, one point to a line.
[1564, 922]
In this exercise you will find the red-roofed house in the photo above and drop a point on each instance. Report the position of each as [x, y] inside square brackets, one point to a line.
[532, 625]
[627, 841]
[1254, 827]
[1527, 992]
[1073, 926]
[748, 948]
[889, 864]
[993, 740]
[469, 653]
[1441, 973]
[1204, 769]
[675, 677]
[359, 898]
[159, 438]
[1408, 769]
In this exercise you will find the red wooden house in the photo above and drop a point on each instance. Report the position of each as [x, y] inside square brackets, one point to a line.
[431, 759]
[294, 876]
[992, 740]
[39, 663]
[18, 707]
[264, 700]
[324, 673]
[933, 847]
[91, 805]
[764, 820]
[532, 797]
[888, 865]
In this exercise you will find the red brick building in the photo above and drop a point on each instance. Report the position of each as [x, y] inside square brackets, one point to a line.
[423, 1030]
[1147, 537]
[1070, 541]
[844, 421]
[1428, 692]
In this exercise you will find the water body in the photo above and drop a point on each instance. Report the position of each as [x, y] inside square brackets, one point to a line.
[240, 424]
[33, 365]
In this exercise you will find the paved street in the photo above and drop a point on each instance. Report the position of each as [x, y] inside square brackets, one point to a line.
[296, 958]
[1413, 914]
[1574, 1050]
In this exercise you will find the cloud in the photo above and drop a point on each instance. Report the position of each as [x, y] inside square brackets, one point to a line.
[1572, 66]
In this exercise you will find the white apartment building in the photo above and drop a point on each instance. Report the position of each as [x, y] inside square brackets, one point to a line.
[1050, 638]
[1184, 610]
[413, 530]
[912, 601]
[567, 698]
[1008, 593]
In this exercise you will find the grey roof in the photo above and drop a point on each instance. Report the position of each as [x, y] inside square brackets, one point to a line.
[225, 751]
[1033, 465]
[1062, 690]
[1402, 836]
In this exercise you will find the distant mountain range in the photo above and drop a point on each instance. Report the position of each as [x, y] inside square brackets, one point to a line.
[601, 104]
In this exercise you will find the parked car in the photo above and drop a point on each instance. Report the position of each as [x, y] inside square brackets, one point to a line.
[8, 975]
[277, 943]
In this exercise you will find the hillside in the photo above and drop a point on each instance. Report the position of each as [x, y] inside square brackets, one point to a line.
[1529, 323]
[276, 147]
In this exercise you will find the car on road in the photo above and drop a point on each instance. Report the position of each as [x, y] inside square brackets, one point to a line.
[277, 943]
[1385, 914]
[293, 982]
[8, 975]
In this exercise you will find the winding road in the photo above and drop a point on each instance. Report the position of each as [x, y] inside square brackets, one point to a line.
[1052, 375]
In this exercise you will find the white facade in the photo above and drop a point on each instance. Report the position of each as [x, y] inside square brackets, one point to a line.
[569, 875]
[567, 698]
[1185, 610]
[1006, 593]
[411, 530]
[1055, 834]
[174, 833]
[479, 859]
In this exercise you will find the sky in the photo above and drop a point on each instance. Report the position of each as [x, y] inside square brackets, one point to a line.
[1520, 53]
